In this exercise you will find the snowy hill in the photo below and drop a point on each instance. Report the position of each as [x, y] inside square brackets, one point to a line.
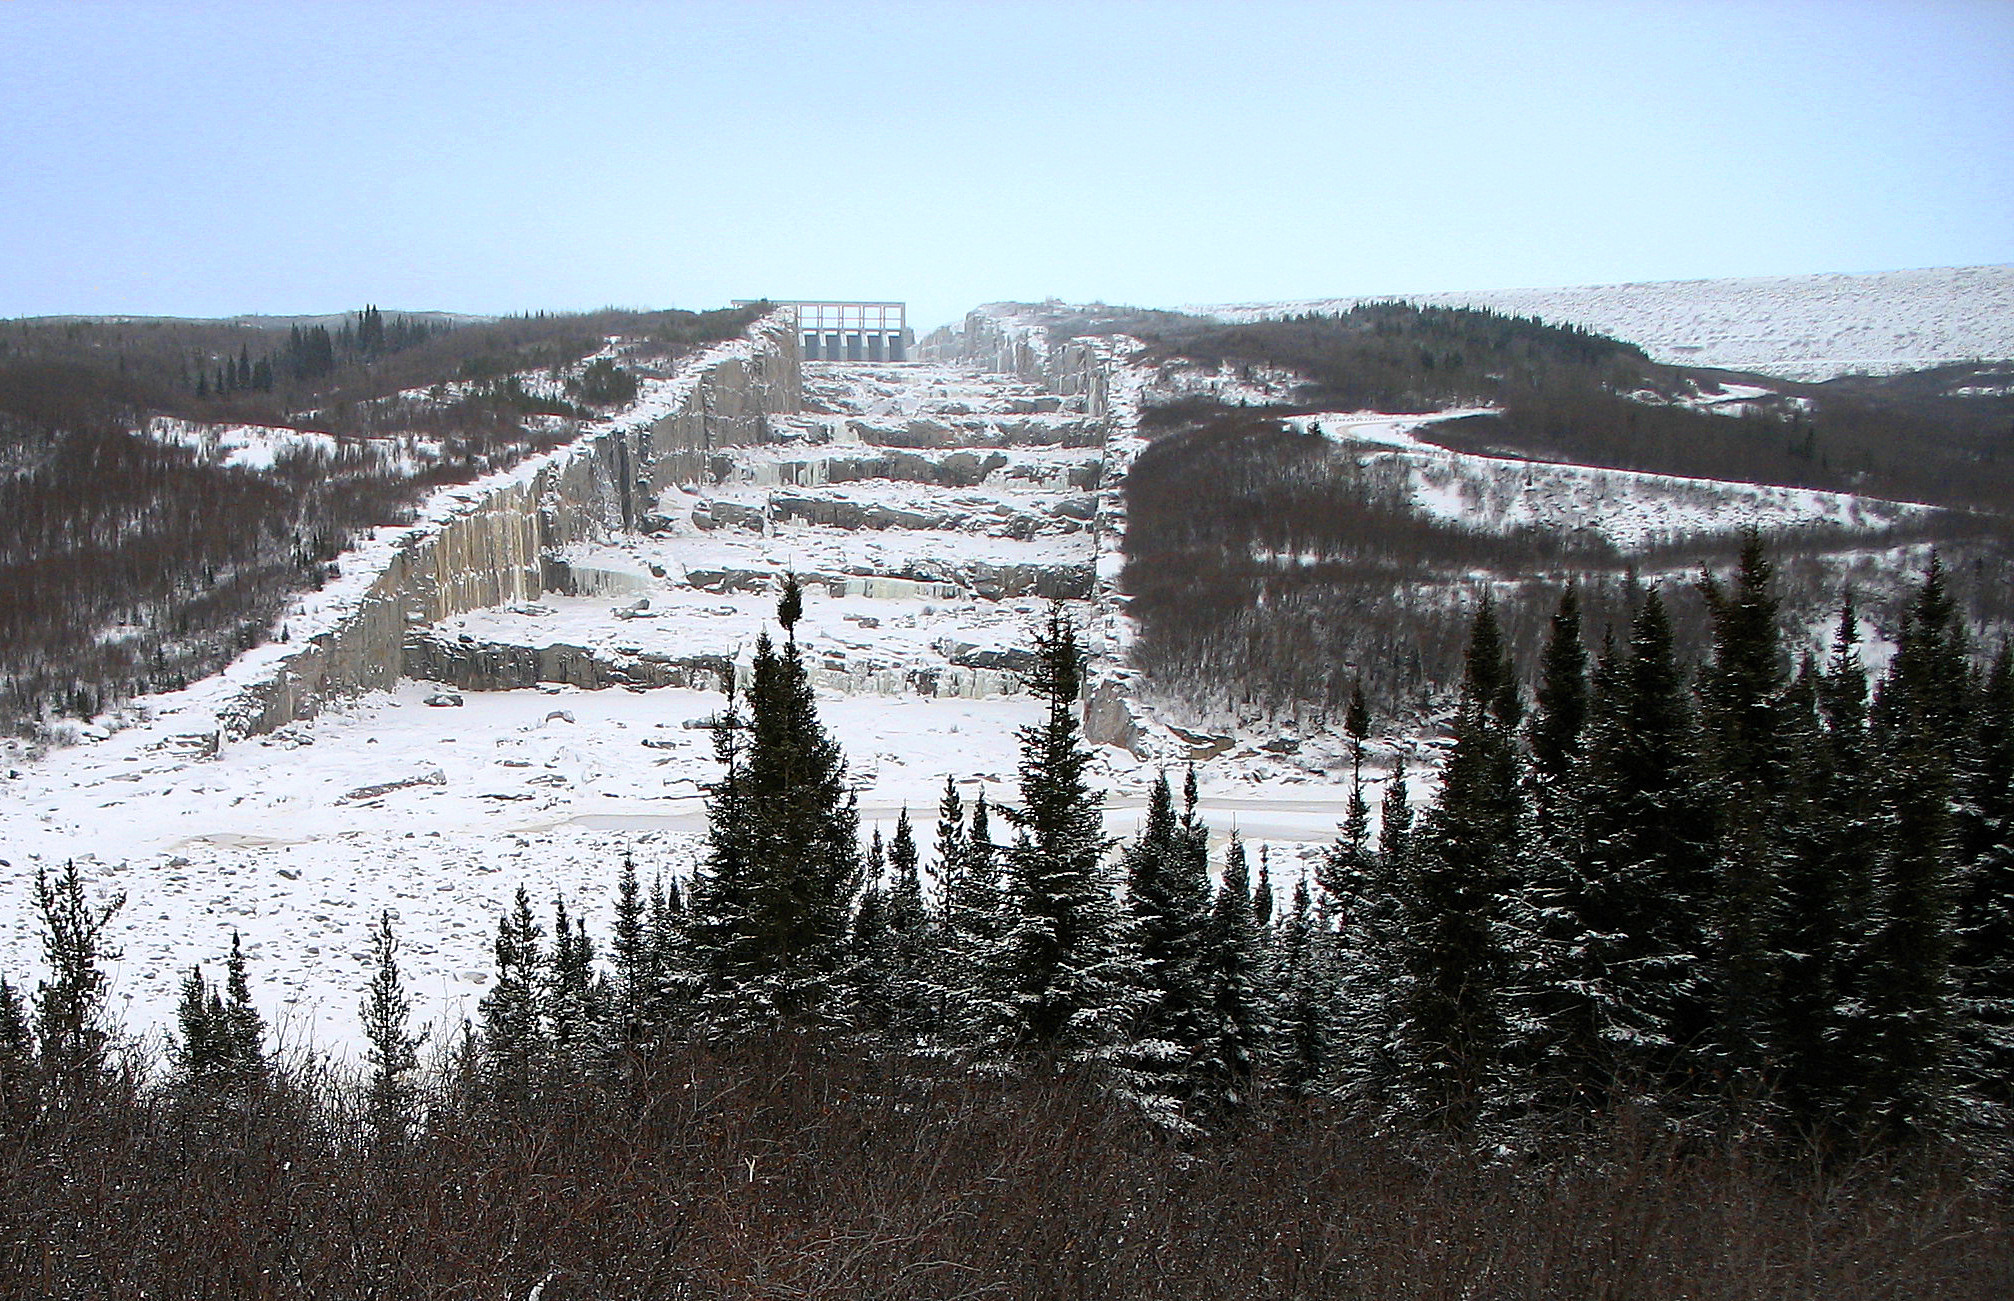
[1798, 327]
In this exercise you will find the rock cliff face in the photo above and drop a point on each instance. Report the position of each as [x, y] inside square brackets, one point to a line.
[491, 543]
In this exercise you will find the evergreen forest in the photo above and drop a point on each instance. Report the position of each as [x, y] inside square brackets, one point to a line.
[1683, 976]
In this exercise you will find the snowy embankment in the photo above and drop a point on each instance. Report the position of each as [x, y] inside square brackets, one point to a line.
[1629, 509]
[1797, 327]
[299, 838]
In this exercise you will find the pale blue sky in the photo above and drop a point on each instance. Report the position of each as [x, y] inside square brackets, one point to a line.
[192, 158]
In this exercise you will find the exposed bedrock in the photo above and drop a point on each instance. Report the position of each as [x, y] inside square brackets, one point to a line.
[981, 515]
[492, 546]
[492, 666]
[992, 431]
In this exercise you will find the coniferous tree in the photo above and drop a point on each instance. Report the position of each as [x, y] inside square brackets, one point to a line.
[975, 1004]
[1228, 1051]
[71, 1030]
[1921, 722]
[243, 1028]
[1168, 903]
[18, 1093]
[196, 1050]
[1984, 956]
[1061, 977]
[1648, 888]
[1300, 1019]
[572, 996]
[630, 949]
[513, 1039]
[948, 850]
[1450, 1029]
[1758, 815]
[908, 988]
[1554, 1048]
[1262, 892]
[390, 1093]
[771, 902]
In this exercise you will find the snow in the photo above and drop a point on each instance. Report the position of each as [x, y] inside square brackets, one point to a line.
[1631, 509]
[250, 447]
[1797, 327]
[440, 812]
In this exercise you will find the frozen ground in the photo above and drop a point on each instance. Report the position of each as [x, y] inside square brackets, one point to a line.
[1630, 509]
[440, 813]
[1797, 327]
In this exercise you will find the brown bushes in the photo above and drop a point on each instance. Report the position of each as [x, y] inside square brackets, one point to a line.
[790, 1167]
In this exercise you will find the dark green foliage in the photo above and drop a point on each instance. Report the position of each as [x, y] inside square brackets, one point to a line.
[18, 1093]
[771, 901]
[513, 1038]
[1648, 889]
[1060, 976]
[391, 1089]
[71, 1027]
[1921, 722]
[1168, 901]
[604, 384]
[1984, 955]
[1450, 1028]
[1234, 1027]
[1747, 781]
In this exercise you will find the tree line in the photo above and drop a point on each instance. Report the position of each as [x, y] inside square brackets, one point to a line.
[1650, 911]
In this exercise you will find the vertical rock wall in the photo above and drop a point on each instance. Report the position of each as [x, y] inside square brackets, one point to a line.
[488, 544]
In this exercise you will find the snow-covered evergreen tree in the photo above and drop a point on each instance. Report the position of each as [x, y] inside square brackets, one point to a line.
[1227, 1056]
[1061, 974]
[1449, 1034]
[770, 905]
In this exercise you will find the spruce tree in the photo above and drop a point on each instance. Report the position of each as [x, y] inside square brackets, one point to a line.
[770, 903]
[195, 1051]
[1453, 968]
[1921, 723]
[1758, 815]
[1227, 1058]
[948, 850]
[974, 1005]
[1262, 892]
[572, 996]
[1061, 979]
[1168, 904]
[18, 1092]
[1647, 894]
[71, 1027]
[1984, 956]
[1553, 1049]
[630, 950]
[513, 1038]
[393, 1056]
[908, 988]
[1301, 1016]
[244, 1029]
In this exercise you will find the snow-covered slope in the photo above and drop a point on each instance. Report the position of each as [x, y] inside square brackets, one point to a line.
[439, 813]
[1798, 327]
[1629, 509]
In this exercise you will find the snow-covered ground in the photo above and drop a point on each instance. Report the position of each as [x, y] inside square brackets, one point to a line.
[1797, 327]
[1630, 509]
[439, 813]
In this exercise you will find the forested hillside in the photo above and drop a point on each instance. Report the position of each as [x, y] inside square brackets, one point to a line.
[1270, 567]
[137, 560]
